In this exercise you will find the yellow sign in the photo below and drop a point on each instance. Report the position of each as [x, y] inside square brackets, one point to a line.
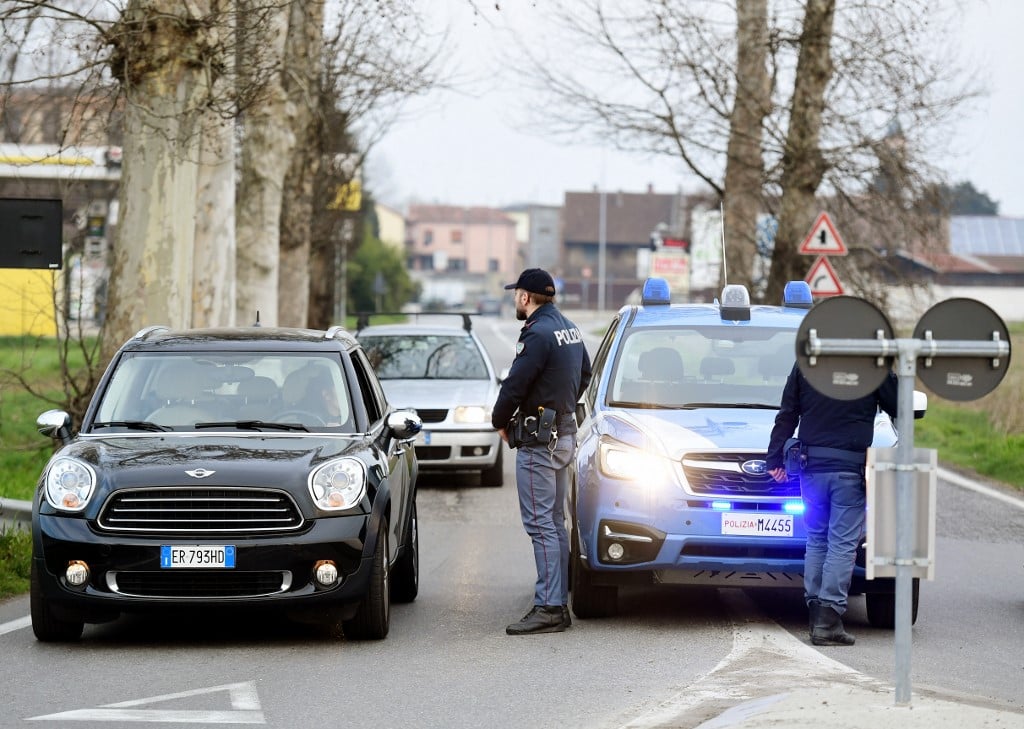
[26, 303]
[348, 197]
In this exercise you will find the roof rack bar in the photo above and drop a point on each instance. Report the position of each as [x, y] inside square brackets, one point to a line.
[146, 331]
[333, 331]
[363, 317]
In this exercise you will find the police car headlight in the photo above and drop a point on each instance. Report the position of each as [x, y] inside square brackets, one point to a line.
[472, 414]
[69, 484]
[339, 484]
[630, 464]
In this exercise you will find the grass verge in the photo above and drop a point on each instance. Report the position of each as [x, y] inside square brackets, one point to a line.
[15, 561]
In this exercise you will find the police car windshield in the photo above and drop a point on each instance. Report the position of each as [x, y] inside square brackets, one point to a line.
[712, 366]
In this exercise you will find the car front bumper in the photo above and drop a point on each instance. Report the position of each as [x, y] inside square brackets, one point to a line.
[469, 450]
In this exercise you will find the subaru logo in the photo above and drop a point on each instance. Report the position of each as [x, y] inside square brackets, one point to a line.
[755, 468]
[200, 473]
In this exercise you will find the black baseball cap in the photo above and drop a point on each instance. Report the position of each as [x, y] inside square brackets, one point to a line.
[536, 281]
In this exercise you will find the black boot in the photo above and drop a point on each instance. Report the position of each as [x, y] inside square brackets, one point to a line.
[813, 606]
[542, 619]
[828, 628]
[566, 617]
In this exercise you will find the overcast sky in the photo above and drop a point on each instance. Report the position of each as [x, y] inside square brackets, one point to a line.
[470, 149]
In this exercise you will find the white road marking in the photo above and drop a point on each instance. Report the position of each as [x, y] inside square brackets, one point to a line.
[958, 480]
[15, 625]
[245, 709]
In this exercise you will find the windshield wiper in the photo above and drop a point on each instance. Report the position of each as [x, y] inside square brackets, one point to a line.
[251, 425]
[745, 405]
[132, 424]
[649, 405]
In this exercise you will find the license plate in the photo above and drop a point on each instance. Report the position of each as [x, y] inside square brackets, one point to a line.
[201, 556]
[757, 525]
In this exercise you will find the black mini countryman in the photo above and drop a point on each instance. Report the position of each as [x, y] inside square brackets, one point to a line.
[254, 467]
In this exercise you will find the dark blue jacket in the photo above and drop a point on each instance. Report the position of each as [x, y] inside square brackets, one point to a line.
[551, 370]
[827, 422]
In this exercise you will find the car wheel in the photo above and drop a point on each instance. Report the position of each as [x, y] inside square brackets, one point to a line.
[405, 577]
[372, 618]
[47, 627]
[495, 475]
[881, 606]
[589, 600]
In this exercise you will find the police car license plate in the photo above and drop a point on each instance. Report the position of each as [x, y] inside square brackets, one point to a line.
[201, 556]
[757, 525]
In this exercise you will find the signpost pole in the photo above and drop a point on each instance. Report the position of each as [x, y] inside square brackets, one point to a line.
[905, 526]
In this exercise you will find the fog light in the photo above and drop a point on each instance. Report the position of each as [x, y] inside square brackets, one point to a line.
[478, 451]
[77, 573]
[326, 573]
[615, 551]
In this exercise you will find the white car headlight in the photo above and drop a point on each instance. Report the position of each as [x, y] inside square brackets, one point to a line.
[338, 484]
[630, 464]
[472, 414]
[69, 484]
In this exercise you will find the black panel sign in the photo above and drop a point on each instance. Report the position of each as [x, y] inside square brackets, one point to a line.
[845, 375]
[960, 376]
[30, 233]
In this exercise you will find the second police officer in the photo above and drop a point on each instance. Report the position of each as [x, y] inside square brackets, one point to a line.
[535, 412]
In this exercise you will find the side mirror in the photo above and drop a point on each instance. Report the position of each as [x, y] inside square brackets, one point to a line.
[404, 424]
[920, 404]
[55, 424]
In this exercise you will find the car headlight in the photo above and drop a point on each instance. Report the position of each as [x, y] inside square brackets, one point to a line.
[472, 414]
[69, 484]
[630, 464]
[338, 484]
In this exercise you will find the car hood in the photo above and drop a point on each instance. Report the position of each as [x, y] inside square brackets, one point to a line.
[434, 394]
[674, 432]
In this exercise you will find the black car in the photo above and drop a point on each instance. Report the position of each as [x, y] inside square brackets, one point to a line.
[248, 467]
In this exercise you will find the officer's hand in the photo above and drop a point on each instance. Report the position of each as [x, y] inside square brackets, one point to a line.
[779, 474]
[503, 434]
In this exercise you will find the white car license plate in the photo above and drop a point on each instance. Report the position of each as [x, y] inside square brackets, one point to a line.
[193, 556]
[757, 525]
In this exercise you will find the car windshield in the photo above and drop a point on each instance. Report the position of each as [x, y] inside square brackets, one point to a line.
[702, 367]
[425, 357]
[277, 392]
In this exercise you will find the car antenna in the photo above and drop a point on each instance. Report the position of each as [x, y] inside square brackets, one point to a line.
[725, 270]
[257, 324]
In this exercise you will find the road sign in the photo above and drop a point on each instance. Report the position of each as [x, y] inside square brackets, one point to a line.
[823, 240]
[823, 280]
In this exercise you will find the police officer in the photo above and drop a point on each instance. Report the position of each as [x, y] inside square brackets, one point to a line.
[834, 438]
[550, 371]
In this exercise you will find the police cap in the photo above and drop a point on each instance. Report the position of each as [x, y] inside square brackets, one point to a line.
[536, 281]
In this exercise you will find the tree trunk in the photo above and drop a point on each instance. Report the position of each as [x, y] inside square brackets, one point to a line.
[303, 55]
[802, 163]
[744, 167]
[267, 146]
[165, 84]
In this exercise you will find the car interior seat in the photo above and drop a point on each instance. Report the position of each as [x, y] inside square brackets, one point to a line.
[261, 399]
[714, 369]
[661, 364]
[178, 389]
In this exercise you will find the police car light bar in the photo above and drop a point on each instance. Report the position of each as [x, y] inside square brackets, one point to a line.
[736, 303]
[797, 295]
[656, 292]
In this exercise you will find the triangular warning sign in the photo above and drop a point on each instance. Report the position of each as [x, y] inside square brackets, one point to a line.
[823, 280]
[823, 240]
[245, 709]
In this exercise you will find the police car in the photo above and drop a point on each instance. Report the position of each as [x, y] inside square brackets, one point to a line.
[669, 483]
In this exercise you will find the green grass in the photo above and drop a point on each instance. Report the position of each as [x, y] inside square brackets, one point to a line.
[15, 561]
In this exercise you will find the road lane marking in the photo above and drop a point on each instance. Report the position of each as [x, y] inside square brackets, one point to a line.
[966, 483]
[245, 709]
[15, 625]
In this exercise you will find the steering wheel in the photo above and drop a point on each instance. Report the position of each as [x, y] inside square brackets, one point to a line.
[302, 416]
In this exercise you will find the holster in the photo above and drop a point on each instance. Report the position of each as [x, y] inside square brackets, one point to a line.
[794, 457]
[529, 429]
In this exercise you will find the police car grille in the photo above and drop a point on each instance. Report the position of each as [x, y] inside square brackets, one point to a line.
[200, 511]
[430, 415]
[720, 474]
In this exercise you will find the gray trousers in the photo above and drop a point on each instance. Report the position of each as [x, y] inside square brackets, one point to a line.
[542, 479]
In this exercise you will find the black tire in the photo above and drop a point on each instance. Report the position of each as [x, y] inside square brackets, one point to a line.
[372, 618]
[494, 476]
[881, 606]
[47, 627]
[589, 600]
[405, 576]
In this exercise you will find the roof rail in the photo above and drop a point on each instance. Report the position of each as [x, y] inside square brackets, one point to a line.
[146, 331]
[333, 331]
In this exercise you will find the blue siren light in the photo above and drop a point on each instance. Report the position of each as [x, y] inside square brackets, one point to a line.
[797, 294]
[793, 507]
[721, 505]
[656, 291]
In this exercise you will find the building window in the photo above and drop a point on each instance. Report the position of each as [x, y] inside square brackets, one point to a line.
[428, 237]
[456, 264]
[456, 236]
[492, 265]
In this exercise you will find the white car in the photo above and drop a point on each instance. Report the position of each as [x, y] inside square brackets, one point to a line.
[444, 374]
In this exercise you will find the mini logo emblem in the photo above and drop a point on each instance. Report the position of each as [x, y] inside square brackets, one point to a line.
[755, 468]
[200, 473]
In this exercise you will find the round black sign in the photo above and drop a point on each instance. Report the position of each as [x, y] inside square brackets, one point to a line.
[966, 377]
[844, 376]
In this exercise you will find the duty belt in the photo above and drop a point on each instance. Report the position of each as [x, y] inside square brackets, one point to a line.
[838, 454]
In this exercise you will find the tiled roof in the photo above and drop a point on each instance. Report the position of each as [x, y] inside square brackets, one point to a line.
[456, 215]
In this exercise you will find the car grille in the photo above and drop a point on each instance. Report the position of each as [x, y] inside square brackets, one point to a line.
[200, 511]
[192, 584]
[433, 453]
[719, 474]
[431, 415]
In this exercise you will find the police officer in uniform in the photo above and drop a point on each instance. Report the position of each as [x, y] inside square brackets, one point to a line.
[535, 412]
[834, 438]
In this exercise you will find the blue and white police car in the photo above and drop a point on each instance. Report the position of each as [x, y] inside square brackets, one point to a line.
[669, 483]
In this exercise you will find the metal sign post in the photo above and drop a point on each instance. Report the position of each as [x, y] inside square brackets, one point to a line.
[966, 366]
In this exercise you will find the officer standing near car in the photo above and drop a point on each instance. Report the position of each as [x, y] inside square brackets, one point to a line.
[535, 412]
[834, 438]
